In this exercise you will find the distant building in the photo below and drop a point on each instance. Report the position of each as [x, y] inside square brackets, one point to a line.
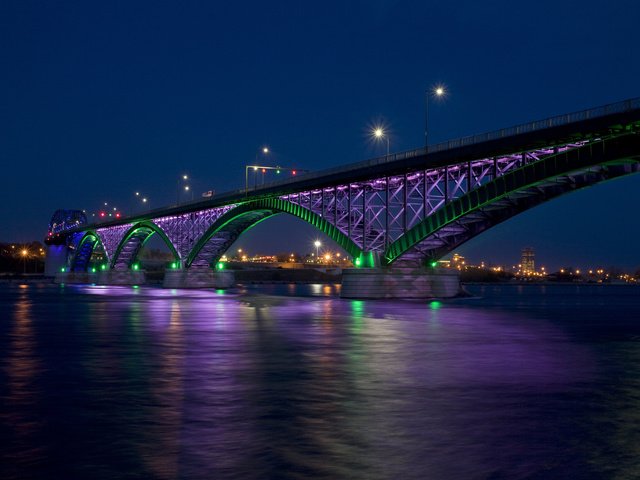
[528, 261]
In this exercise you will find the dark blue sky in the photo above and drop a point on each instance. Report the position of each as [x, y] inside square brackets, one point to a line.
[100, 99]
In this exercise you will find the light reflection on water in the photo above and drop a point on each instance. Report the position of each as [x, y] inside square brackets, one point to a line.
[105, 382]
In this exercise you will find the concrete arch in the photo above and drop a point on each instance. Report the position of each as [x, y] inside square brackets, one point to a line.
[134, 239]
[84, 250]
[518, 191]
[226, 230]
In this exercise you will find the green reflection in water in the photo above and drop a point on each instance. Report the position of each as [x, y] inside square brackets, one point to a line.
[435, 305]
[357, 307]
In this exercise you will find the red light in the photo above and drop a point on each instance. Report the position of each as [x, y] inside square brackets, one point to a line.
[293, 172]
[118, 215]
[102, 214]
[264, 170]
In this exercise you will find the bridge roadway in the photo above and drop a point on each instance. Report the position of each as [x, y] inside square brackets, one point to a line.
[408, 208]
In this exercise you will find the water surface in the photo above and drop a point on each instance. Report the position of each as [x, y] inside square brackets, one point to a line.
[515, 382]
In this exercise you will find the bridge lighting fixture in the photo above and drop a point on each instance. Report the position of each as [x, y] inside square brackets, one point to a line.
[379, 134]
[144, 200]
[357, 262]
[317, 244]
[103, 267]
[185, 177]
[63, 269]
[135, 266]
[437, 91]
[93, 270]
[220, 265]
[265, 150]
[434, 264]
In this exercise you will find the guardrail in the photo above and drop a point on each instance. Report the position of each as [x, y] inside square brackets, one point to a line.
[559, 120]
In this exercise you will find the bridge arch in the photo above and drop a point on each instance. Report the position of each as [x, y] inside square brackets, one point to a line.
[134, 239]
[226, 230]
[513, 193]
[84, 251]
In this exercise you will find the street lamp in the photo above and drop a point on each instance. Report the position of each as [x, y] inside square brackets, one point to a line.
[379, 134]
[24, 254]
[264, 151]
[438, 91]
[317, 244]
[184, 178]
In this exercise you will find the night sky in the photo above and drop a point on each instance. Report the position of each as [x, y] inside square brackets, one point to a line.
[102, 99]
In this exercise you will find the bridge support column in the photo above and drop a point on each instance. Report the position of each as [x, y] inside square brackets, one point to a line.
[121, 277]
[83, 278]
[55, 260]
[399, 282]
[195, 277]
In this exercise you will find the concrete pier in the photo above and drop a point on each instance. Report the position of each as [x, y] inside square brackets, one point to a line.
[399, 282]
[195, 277]
[55, 260]
[75, 277]
[121, 277]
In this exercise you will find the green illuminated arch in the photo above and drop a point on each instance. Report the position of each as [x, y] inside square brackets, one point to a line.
[145, 225]
[270, 207]
[623, 151]
[90, 236]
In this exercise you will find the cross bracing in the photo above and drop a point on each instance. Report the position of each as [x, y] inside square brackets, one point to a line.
[414, 209]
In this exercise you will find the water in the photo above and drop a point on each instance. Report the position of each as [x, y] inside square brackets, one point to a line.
[516, 382]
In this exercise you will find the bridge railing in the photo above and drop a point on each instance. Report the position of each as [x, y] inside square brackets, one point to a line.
[613, 108]
[559, 120]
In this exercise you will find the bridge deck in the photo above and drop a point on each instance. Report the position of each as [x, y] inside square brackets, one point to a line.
[558, 130]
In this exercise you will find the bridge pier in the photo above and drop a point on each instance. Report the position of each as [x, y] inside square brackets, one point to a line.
[121, 277]
[399, 282]
[55, 260]
[195, 277]
[74, 277]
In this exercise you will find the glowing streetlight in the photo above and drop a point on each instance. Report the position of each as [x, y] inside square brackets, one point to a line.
[24, 254]
[379, 134]
[438, 91]
[317, 244]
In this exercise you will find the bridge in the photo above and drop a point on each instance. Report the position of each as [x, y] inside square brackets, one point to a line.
[390, 214]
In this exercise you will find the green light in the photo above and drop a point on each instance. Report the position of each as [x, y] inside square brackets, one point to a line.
[103, 267]
[434, 264]
[136, 266]
[278, 171]
[435, 305]
[358, 262]
[173, 266]
[220, 266]
[63, 269]
[93, 270]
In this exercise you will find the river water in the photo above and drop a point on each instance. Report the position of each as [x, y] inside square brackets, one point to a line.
[513, 382]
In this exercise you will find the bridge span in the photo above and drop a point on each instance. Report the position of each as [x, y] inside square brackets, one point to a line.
[394, 215]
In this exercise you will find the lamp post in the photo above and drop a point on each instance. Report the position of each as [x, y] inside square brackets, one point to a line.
[317, 244]
[24, 254]
[438, 92]
[184, 178]
[264, 151]
[379, 134]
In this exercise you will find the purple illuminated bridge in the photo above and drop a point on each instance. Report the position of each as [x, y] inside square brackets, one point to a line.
[404, 209]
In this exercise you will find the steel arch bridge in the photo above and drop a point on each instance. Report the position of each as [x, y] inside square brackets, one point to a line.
[411, 207]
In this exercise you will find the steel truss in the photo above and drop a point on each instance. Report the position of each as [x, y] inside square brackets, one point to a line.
[374, 213]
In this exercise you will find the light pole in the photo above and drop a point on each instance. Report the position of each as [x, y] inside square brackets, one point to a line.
[184, 178]
[264, 151]
[317, 244]
[24, 258]
[379, 134]
[438, 92]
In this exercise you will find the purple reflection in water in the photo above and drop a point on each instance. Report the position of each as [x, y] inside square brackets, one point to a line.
[257, 384]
